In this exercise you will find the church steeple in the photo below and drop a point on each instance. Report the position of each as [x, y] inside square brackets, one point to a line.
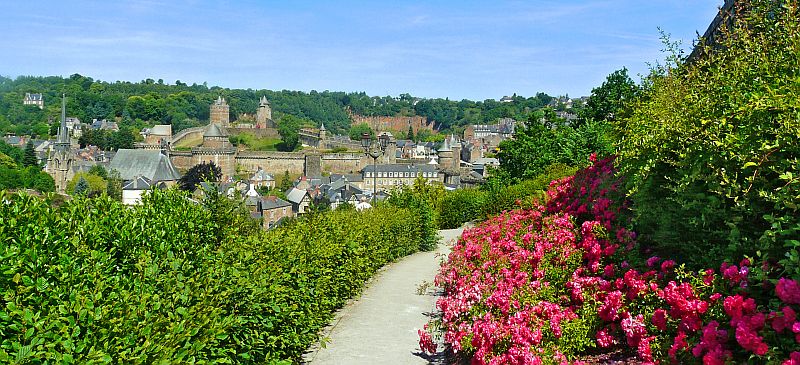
[62, 143]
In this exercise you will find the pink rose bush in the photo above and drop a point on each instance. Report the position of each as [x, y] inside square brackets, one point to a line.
[547, 285]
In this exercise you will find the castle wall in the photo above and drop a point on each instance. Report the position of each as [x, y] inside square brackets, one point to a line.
[258, 132]
[344, 163]
[272, 162]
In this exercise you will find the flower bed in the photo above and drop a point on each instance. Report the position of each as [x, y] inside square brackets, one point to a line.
[557, 282]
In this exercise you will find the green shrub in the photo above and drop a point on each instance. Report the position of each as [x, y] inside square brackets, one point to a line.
[167, 282]
[712, 150]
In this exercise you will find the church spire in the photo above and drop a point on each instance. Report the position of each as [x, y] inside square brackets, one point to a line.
[62, 143]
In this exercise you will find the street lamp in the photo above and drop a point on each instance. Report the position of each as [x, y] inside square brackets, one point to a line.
[372, 151]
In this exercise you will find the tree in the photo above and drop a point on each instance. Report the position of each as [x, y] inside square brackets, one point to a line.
[99, 170]
[7, 162]
[200, 173]
[611, 100]
[114, 187]
[29, 158]
[358, 130]
[410, 134]
[96, 184]
[81, 188]
[288, 128]
[286, 182]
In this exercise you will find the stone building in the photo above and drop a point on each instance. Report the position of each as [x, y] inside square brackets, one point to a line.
[264, 114]
[60, 161]
[313, 137]
[274, 210]
[33, 99]
[394, 175]
[262, 179]
[220, 112]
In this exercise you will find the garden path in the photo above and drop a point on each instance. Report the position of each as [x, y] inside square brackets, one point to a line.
[381, 326]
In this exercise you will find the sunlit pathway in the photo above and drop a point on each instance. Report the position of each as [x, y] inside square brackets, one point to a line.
[381, 326]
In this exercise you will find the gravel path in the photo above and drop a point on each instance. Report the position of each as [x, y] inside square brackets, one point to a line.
[381, 326]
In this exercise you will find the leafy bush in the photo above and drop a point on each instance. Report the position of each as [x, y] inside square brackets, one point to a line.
[712, 150]
[168, 282]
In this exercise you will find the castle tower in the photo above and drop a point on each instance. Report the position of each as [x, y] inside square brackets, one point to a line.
[215, 137]
[322, 134]
[264, 114]
[59, 163]
[455, 145]
[220, 112]
[445, 155]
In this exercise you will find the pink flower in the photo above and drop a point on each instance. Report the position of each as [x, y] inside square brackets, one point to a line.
[788, 291]
[605, 338]
[609, 310]
[794, 359]
[667, 265]
[653, 261]
[660, 319]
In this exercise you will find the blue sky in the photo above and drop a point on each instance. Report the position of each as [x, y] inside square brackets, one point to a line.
[456, 49]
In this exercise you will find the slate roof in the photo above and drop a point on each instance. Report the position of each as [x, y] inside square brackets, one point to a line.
[296, 195]
[148, 163]
[33, 97]
[262, 175]
[272, 202]
[213, 130]
[139, 183]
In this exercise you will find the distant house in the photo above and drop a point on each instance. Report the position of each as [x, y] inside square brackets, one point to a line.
[132, 191]
[274, 210]
[104, 125]
[34, 99]
[151, 164]
[262, 179]
[506, 99]
[300, 200]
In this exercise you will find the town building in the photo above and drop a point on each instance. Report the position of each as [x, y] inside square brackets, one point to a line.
[262, 179]
[388, 176]
[274, 210]
[133, 190]
[300, 200]
[34, 99]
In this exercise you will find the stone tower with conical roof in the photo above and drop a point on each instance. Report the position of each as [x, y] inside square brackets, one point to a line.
[59, 163]
[220, 112]
[264, 114]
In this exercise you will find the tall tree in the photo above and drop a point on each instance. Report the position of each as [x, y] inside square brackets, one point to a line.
[288, 128]
[29, 157]
[286, 182]
[410, 134]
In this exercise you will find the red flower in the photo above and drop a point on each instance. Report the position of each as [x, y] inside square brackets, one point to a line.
[788, 290]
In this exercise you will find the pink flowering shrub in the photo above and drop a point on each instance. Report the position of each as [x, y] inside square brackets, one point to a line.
[547, 285]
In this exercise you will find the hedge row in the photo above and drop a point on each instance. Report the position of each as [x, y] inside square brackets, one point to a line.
[93, 281]
[461, 206]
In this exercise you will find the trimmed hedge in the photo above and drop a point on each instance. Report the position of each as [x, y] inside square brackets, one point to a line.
[94, 281]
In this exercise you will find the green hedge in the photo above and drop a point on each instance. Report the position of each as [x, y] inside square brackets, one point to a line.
[94, 281]
[460, 206]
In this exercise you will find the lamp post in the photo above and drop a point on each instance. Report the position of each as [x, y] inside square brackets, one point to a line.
[374, 151]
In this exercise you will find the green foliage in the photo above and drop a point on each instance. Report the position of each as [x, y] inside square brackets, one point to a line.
[99, 170]
[286, 182]
[114, 186]
[107, 139]
[712, 151]
[93, 185]
[29, 156]
[7, 162]
[357, 130]
[613, 99]
[288, 128]
[537, 146]
[423, 198]
[81, 188]
[26, 178]
[206, 171]
[160, 283]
